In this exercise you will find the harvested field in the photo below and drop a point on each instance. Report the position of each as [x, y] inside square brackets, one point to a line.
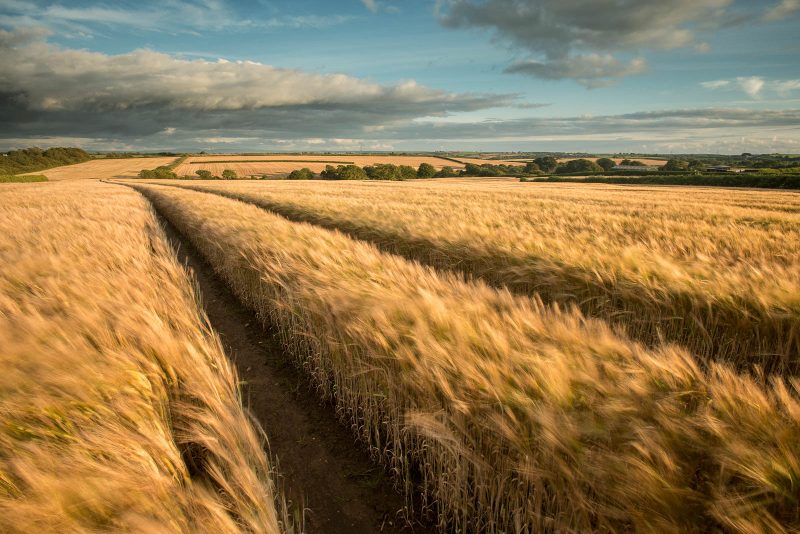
[723, 283]
[119, 410]
[104, 169]
[506, 414]
[279, 164]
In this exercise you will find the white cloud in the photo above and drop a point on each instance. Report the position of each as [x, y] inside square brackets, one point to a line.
[751, 85]
[783, 88]
[755, 86]
[167, 16]
[716, 84]
[46, 77]
[782, 10]
[50, 90]
[372, 5]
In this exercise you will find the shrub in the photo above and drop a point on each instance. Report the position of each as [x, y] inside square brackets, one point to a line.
[446, 172]
[606, 163]
[546, 164]
[159, 173]
[579, 165]
[426, 170]
[302, 174]
[532, 168]
[344, 172]
[676, 165]
[229, 174]
[204, 174]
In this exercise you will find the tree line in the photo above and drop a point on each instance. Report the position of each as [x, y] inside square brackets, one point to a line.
[36, 159]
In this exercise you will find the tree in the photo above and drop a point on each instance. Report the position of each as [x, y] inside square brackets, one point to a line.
[676, 165]
[547, 163]
[329, 173]
[446, 172]
[160, 173]
[426, 170]
[229, 174]
[579, 165]
[696, 165]
[204, 174]
[532, 168]
[303, 174]
[344, 172]
[606, 163]
[407, 172]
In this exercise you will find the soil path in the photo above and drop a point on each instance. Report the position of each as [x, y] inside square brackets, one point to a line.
[321, 465]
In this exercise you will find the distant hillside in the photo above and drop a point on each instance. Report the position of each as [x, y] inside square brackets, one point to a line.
[36, 159]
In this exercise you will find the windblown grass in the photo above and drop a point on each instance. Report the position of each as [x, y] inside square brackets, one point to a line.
[717, 272]
[118, 409]
[511, 415]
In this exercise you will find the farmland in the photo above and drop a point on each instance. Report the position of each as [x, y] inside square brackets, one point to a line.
[499, 409]
[99, 169]
[279, 164]
[615, 253]
[512, 356]
[119, 408]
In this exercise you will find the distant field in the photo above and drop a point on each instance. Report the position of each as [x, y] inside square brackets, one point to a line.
[279, 164]
[104, 168]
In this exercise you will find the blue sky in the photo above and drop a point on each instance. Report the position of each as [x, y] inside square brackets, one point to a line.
[583, 75]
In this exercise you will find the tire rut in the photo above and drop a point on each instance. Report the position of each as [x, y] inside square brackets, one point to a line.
[323, 469]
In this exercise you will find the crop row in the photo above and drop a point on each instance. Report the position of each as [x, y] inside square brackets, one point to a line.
[504, 413]
[118, 408]
[721, 280]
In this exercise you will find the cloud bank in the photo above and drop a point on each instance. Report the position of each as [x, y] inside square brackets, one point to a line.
[147, 100]
[754, 86]
[589, 40]
[45, 89]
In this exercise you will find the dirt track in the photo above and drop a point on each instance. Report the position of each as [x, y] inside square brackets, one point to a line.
[322, 466]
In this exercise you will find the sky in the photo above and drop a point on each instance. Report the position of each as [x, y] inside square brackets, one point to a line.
[597, 76]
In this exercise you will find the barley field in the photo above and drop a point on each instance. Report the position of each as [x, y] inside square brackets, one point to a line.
[104, 169]
[503, 412]
[510, 357]
[119, 410]
[723, 282]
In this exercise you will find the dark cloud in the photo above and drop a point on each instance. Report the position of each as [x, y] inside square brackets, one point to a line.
[574, 39]
[591, 70]
[47, 90]
[148, 100]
